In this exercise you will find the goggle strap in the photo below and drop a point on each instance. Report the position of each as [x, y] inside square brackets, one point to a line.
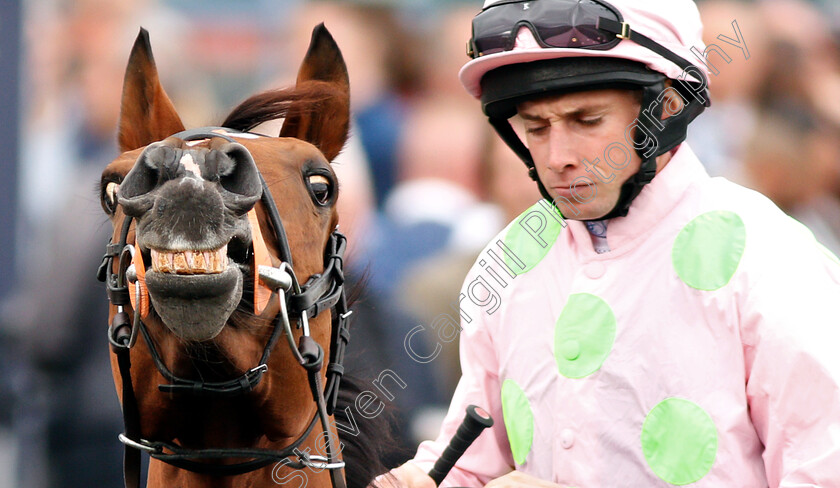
[622, 30]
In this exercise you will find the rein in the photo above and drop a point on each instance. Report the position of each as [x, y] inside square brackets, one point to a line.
[323, 291]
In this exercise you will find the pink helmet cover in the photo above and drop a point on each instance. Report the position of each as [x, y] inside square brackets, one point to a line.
[675, 24]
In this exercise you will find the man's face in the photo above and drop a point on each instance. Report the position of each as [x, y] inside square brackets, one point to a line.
[568, 136]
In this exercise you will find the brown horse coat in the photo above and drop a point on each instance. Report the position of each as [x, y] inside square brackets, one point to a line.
[189, 201]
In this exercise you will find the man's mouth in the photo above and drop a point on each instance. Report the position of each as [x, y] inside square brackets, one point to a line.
[565, 190]
[582, 190]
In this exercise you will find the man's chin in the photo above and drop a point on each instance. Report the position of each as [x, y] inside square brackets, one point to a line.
[573, 210]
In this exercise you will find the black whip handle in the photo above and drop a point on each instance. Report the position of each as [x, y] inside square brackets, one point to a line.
[476, 420]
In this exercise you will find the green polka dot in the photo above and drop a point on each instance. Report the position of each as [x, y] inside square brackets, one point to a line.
[679, 441]
[584, 335]
[708, 249]
[519, 420]
[531, 235]
[570, 349]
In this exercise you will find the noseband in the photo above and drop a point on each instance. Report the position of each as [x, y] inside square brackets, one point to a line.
[323, 291]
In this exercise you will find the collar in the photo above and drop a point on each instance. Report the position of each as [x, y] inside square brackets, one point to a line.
[653, 204]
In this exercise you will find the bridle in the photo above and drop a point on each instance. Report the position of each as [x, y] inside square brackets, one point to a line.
[323, 291]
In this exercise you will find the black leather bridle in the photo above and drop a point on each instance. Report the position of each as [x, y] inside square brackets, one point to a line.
[323, 291]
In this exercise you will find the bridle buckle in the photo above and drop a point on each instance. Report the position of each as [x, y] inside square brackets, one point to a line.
[262, 368]
[318, 462]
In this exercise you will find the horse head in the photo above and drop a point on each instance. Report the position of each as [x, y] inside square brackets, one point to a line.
[223, 238]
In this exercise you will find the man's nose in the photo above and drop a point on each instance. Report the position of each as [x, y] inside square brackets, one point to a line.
[562, 154]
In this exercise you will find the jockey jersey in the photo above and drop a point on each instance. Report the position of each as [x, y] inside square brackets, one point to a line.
[701, 347]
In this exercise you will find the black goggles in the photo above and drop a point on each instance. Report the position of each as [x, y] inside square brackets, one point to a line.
[554, 23]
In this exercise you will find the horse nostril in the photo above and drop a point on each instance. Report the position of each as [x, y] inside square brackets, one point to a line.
[167, 159]
[230, 165]
[158, 163]
[238, 176]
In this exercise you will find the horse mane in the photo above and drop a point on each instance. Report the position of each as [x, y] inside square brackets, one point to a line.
[364, 453]
[275, 104]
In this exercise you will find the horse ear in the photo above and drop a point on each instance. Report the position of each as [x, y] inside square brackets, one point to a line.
[328, 125]
[146, 113]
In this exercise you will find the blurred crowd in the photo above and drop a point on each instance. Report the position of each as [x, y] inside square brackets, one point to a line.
[774, 123]
[424, 182]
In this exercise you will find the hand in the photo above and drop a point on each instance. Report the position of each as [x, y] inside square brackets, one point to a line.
[406, 476]
[518, 478]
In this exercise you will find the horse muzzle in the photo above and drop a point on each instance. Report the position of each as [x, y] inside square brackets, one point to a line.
[193, 237]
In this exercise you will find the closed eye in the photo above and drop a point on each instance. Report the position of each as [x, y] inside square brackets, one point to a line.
[537, 130]
[590, 121]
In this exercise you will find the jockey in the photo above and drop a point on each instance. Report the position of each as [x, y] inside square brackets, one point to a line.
[645, 324]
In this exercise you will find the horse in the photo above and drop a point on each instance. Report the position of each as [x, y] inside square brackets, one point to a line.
[228, 314]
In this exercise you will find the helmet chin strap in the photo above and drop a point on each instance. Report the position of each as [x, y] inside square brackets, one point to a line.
[643, 144]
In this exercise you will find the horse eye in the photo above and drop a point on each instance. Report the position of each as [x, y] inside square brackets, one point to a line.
[110, 197]
[321, 188]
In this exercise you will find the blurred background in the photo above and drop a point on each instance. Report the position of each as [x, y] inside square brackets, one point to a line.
[424, 182]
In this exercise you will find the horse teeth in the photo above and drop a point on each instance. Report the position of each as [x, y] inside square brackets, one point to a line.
[199, 264]
[180, 263]
[160, 261]
[221, 259]
[190, 262]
